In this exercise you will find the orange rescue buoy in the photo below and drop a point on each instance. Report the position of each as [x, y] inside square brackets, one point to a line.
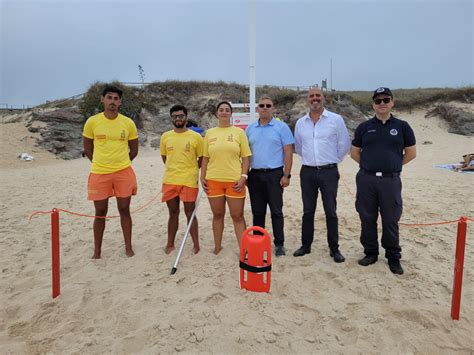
[255, 260]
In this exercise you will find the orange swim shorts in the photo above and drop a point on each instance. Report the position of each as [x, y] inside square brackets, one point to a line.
[122, 183]
[223, 188]
[185, 193]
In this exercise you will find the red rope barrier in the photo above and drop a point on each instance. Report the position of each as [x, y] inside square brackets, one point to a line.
[55, 244]
[426, 224]
[34, 213]
[411, 224]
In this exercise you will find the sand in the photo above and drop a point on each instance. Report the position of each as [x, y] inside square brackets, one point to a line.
[126, 305]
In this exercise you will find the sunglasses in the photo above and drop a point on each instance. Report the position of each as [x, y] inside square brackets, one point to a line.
[265, 105]
[385, 100]
[178, 117]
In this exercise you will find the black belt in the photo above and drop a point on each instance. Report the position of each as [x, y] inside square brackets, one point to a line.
[255, 269]
[266, 170]
[380, 174]
[327, 166]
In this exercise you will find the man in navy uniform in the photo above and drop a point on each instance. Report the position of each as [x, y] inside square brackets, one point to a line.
[381, 146]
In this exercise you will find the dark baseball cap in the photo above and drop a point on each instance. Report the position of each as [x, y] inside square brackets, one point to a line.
[380, 91]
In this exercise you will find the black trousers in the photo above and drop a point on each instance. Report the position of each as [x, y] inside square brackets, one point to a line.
[313, 180]
[379, 194]
[265, 189]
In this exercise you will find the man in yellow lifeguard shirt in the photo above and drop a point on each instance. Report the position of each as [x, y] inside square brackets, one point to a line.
[181, 151]
[111, 143]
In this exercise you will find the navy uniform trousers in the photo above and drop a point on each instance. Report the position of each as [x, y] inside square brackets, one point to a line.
[384, 194]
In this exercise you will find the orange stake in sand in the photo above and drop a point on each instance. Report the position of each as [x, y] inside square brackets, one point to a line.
[55, 252]
[255, 260]
[458, 268]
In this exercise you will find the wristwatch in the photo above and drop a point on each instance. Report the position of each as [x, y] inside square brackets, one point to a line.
[288, 177]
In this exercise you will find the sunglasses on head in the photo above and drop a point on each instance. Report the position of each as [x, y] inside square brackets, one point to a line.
[177, 117]
[385, 100]
[265, 105]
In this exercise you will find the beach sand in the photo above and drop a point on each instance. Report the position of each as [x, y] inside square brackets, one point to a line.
[126, 305]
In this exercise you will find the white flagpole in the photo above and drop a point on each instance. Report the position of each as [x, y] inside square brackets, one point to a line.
[252, 46]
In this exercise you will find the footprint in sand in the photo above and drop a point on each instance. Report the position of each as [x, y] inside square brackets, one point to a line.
[215, 298]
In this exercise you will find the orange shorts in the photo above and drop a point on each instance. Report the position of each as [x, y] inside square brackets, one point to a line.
[185, 193]
[122, 183]
[223, 188]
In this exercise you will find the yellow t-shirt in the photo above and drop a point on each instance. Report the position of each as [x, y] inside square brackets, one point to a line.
[182, 151]
[110, 142]
[224, 147]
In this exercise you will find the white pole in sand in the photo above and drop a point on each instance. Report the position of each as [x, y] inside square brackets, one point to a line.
[175, 266]
[252, 46]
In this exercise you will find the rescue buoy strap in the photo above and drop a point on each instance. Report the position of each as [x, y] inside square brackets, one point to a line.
[255, 269]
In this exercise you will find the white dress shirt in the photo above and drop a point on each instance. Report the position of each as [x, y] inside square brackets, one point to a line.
[324, 142]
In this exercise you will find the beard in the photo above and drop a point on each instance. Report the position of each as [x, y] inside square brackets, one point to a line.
[179, 124]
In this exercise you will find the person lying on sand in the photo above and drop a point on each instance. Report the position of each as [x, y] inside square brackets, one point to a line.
[467, 164]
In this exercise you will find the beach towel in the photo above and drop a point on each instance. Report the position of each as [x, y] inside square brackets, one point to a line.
[452, 167]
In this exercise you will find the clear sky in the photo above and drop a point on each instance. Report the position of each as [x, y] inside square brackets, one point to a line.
[52, 49]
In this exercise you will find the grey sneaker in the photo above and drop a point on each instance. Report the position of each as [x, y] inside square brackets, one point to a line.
[280, 250]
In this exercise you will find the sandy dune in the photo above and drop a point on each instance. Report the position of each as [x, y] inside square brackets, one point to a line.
[126, 305]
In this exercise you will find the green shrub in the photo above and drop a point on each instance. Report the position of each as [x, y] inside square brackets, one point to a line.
[407, 99]
[133, 100]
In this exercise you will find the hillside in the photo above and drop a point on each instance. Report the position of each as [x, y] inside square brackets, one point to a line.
[57, 126]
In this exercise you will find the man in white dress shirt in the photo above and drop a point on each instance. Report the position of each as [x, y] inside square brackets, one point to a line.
[322, 141]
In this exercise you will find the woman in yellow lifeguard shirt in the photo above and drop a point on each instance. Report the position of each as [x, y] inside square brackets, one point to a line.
[225, 164]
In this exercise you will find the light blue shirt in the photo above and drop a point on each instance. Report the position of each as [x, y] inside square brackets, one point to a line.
[267, 143]
[324, 142]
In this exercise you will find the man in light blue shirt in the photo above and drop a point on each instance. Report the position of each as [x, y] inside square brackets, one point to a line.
[322, 141]
[271, 143]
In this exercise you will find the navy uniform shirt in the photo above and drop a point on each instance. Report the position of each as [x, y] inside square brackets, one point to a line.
[382, 145]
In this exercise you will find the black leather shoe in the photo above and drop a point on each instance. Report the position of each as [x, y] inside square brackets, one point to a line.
[395, 266]
[368, 260]
[337, 256]
[280, 250]
[302, 251]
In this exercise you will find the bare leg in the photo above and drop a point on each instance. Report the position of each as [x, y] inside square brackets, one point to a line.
[236, 209]
[173, 223]
[101, 208]
[123, 205]
[218, 213]
[188, 210]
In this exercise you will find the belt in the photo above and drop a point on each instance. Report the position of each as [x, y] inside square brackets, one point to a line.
[265, 170]
[327, 166]
[380, 174]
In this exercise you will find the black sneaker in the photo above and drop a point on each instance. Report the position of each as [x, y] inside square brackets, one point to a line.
[280, 250]
[368, 260]
[395, 266]
[337, 256]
